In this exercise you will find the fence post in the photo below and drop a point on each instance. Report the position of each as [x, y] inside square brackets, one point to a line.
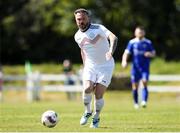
[33, 86]
[37, 87]
[29, 85]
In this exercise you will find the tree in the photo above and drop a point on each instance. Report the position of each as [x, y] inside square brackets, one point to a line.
[43, 30]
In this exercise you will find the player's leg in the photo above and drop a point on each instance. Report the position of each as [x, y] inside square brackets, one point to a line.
[103, 80]
[98, 104]
[87, 98]
[135, 77]
[135, 94]
[99, 101]
[145, 93]
[88, 86]
[87, 95]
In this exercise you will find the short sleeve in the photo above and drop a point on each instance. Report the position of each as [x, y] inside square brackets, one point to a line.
[105, 30]
[129, 48]
[76, 39]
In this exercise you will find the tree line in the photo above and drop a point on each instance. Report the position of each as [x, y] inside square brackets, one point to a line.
[43, 30]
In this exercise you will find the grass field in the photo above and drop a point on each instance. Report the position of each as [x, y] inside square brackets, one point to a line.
[162, 113]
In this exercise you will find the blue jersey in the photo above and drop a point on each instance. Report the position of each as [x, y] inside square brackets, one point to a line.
[137, 48]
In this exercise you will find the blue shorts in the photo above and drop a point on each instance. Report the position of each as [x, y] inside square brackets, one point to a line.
[136, 76]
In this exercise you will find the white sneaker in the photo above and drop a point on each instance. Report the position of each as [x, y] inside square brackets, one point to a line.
[143, 104]
[85, 118]
[95, 123]
[136, 106]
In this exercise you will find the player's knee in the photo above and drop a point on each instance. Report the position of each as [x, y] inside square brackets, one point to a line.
[98, 96]
[145, 82]
[88, 89]
[134, 86]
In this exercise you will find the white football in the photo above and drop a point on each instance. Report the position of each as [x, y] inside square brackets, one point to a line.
[49, 118]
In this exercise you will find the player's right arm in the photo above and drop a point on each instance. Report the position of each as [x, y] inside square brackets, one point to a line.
[82, 53]
[83, 57]
[126, 55]
[124, 59]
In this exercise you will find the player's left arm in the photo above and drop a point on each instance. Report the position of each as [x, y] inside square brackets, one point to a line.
[150, 53]
[112, 40]
[113, 44]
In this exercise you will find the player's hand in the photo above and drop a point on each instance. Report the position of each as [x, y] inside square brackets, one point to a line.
[148, 54]
[108, 55]
[124, 64]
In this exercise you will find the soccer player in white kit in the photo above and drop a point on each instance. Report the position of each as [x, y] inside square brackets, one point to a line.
[97, 46]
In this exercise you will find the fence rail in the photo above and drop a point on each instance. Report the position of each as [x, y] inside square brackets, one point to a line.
[164, 78]
[78, 87]
[171, 78]
[34, 86]
[42, 77]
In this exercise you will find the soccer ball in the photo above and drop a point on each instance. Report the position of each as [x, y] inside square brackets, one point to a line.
[49, 118]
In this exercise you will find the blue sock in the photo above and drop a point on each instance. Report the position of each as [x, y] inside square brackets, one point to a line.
[135, 96]
[145, 94]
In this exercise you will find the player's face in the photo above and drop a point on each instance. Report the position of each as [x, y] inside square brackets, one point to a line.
[82, 21]
[139, 33]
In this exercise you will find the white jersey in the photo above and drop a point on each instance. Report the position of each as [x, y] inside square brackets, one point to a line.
[94, 44]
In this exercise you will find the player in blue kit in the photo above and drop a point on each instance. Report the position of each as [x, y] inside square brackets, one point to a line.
[141, 50]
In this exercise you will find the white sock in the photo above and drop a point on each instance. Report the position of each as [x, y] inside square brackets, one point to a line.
[87, 97]
[99, 103]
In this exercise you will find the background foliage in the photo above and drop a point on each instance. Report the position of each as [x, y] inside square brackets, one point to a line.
[43, 30]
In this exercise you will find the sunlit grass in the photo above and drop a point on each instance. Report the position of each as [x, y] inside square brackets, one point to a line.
[162, 113]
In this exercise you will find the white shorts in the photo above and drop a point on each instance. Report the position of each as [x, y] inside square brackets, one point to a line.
[99, 74]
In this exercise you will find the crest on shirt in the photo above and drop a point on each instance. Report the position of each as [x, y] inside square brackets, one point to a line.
[144, 46]
[91, 35]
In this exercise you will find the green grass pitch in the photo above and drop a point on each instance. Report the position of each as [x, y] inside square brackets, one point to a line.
[162, 113]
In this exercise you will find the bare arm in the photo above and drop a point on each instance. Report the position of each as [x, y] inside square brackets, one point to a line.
[113, 44]
[82, 56]
[124, 59]
[150, 54]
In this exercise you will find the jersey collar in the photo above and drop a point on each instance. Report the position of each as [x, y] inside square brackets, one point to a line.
[86, 28]
[137, 39]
